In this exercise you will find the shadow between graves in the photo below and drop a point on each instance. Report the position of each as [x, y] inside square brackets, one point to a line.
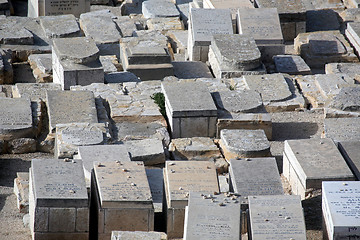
[313, 213]
[9, 168]
[293, 130]
[2, 200]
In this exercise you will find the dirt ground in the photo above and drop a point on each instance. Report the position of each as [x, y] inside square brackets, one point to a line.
[287, 125]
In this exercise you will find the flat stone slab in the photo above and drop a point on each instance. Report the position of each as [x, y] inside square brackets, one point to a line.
[191, 69]
[238, 101]
[351, 69]
[68, 107]
[13, 32]
[34, 91]
[272, 87]
[330, 85]
[244, 143]
[118, 190]
[285, 7]
[351, 152]
[262, 24]
[150, 151]
[328, 44]
[348, 99]
[60, 26]
[207, 22]
[43, 62]
[316, 160]
[291, 64]
[188, 99]
[156, 181]
[181, 177]
[236, 52]
[15, 118]
[78, 50]
[340, 207]
[254, 177]
[72, 135]
[137, 235]
[276, 217]
[342, 129]
[159, 8]
[200, 222]
[58, 183]
[101, 153]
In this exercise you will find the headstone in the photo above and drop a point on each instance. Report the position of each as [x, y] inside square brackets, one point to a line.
[122, 198]
[34, 91]
[234, 55]
[350, 151]
[156, 183]
[101, 28]
[254, 177]
[15, 118]
[72, 135]
[60, 26]
[101, 153]
[68, 107]
[342, 129]
[320, 48]
[58, 200]
[340, 207]
[276, 217]
[159, 9]
[292, 16]
[150, 151]
[38, 8]
[239, 143]
[200, 222]
[263, 25]
[203, 24]
[75, 62]
[291, 64]
[137, 235]
[190, 109]
[308, 162]
[180, 177]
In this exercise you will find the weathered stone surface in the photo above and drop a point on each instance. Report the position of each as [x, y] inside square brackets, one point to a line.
[284, 7]
[178, 40]
[33, 91]
[348, 99]
[342, 129]
[68, 107]
[150, 151]
[350, 151]
[21, 190]
[156, 181]
[120, 77]
[291, 64]
[276, 217]
[137, 235]
[41, 64]
[22, 145]
[109, 63]
[350, 69]
[254, 177]
[200, 221]
[159, 8]
[308, 162]
[60, 26]
[12, 32]
[164, 24]
[126, 25]
[238, 143]
[341, 209]
[72, 135]
[272, 87]
[101, 153]
[188, 70]
[15, 118]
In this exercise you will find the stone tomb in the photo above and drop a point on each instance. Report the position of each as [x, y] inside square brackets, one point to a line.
[67, 107]
[351, 152]
[190, 109]
[203, 24]
[38, 8]
[15, 118]
[101, 153]
[241, 109]
[254, 176]
[34, 91]
[239, 143]
[342, 129]
[180, 177]
[341, 210]
[200, 220]
[150, 151]
[234, 55]
[159, 9]
[291, 64]
[58, 200]
[41, 64]
[76, 61]
[308, 162]
[137, 235]
[263, 25]
[121, 198]
[276, 217]
[60, 26]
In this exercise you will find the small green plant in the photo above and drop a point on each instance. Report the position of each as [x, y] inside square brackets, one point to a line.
[232, 88]
[159, 99]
